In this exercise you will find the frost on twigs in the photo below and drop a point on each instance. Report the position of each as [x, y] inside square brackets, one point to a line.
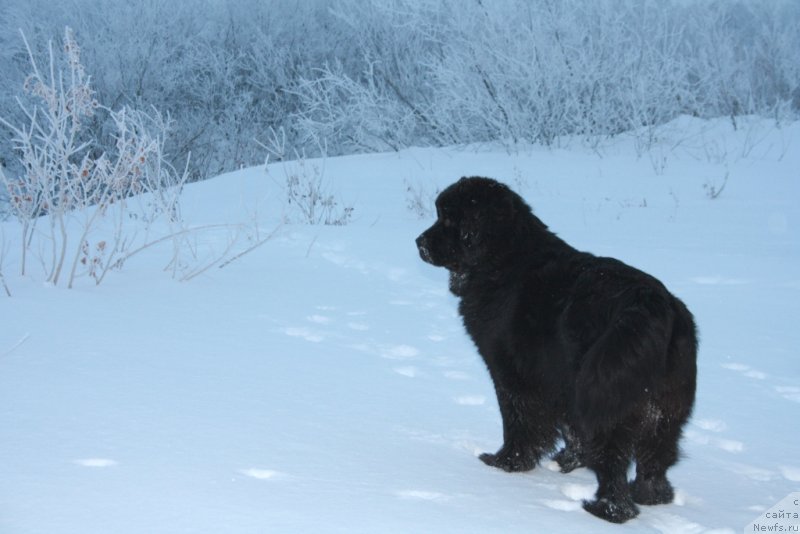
[308, 198]
[420, 199]
[68, 181]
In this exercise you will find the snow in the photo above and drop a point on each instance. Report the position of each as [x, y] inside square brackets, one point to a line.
[324, 383]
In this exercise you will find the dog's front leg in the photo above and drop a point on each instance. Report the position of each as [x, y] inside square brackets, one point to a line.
[528, 431]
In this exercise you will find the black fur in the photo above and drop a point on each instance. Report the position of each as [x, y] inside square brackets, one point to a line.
[579, 347]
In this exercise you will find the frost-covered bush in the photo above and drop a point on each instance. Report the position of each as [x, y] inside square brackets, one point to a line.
[309, 199]
[70, 181]
[519, 70]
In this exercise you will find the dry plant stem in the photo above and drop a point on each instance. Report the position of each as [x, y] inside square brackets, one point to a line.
[121, 261]
[200, 270]
[251, 248]
[5, 286]
[17, 345]
[2, 261]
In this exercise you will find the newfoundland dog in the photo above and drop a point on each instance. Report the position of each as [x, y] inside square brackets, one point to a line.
[579, 347]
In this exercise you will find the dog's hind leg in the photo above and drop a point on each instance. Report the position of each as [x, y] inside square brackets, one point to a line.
[665, 415]
[653, 458]
[609, 456]
[655, 453]
[572, 455]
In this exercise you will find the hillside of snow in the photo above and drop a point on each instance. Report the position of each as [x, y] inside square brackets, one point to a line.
[323, 381]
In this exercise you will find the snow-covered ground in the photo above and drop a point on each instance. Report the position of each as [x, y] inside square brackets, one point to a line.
[324, 383]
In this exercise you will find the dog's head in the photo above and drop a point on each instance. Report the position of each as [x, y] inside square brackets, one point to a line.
[477, 222]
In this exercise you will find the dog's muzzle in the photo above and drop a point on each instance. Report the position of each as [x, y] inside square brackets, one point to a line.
[424, 251]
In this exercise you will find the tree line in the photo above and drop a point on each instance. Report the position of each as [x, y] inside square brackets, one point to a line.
[246, 78]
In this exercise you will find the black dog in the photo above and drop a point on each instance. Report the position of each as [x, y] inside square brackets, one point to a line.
[579, 347]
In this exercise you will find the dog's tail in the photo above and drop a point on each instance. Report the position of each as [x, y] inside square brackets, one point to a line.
[628, 363]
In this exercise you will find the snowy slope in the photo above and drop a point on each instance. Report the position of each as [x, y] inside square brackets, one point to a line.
[323, 382]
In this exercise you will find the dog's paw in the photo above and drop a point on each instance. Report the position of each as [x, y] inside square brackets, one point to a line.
[613, 511]
[568, 460]
[656, 491]
[511, 461]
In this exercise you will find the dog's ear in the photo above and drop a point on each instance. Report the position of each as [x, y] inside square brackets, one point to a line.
[511, 204]
[511, 201]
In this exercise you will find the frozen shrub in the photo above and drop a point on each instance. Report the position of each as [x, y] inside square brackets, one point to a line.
[67, 177]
